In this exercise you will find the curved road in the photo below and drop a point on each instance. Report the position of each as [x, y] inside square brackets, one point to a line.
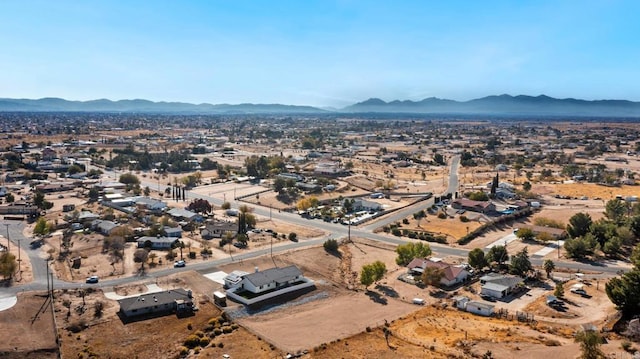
[336, 231]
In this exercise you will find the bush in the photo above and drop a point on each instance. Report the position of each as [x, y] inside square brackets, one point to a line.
[184, 351]
[217, 331]
[405, 221]
[627, 346]
[227, 329]
[204, 341]
[192, 255]
[442, 215]
[464, 219]
[293, 237]
[199, 333]
[192, 341]
[331, 245]
[396, 232]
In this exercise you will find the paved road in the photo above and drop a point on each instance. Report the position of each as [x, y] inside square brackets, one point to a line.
[334, 230]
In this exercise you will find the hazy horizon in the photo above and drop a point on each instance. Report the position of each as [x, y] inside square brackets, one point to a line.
[318, 53]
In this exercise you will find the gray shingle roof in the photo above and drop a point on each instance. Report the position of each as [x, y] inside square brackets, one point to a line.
[278, 275]
[152, 299]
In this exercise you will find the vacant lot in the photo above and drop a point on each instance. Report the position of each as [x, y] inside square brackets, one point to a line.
[27, 329]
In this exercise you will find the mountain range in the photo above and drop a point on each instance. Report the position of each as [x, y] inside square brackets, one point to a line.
[491, 105]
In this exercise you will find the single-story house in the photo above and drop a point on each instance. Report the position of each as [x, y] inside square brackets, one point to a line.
[473, 206]
[360, 204]
[104, 227]
[157, 242]
[183, 214]
[272, 278]
[499, 285]
[556, 233]
[234, 278]
[172, 232]
[150, 204]
[165, 302]
[87, 216]
[20, 209]
[217, 229]
[290, 176]
[452, 274]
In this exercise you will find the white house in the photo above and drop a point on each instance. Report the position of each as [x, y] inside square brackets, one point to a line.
[157, 242]
[272, 278]
[498, 285]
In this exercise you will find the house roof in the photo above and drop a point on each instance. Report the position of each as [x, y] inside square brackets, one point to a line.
[465, 202]
[277, 275]
[153, 299]
[450, 271]
[179, 212]
[156, 239]
[495, 286]
[501, 279]
[172, 230]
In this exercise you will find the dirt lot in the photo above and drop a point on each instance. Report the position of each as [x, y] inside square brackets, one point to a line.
[27, 329]
[84, 333]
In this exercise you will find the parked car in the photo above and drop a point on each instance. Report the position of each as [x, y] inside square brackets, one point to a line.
[93, 279]
[487, 297]
[179, 264]
[579, 291]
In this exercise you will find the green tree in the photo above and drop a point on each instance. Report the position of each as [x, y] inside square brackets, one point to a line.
[140, 256]
[616, 210]
[590, 342]
[548, 266]
[526, 186]
[432, 276]
[8, 265]
[579, 224]
[129, 179]
[525, 234]
[624, 291]
[372, 273]
[581, 247]
[559, 290]
[612, 247]
[10, 198]
[409, 251]
[476, 259]
[520, 263]
[41, 228]
[497, 254]
[226, 205]
[94, 194]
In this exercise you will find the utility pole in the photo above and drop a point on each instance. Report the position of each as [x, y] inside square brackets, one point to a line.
[19, 259]
[8, 240]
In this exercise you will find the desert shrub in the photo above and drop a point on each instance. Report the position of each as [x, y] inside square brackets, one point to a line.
[368, 329]
[627, 346]
[442, 215]
[234, 326]
[192, 255]
[405, 221]
[204, 341]
[227, 329]
[396, 232]
[330, 245]
[192, 341]
[213, 321]
[189, 326]
[217, 331]
[77, 327]
[464, 219]
[412, 235]
[221, 345]
[199, 333]
[184, 351]
[552, 343]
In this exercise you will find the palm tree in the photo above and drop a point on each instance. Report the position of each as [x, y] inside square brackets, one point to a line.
[548, 266]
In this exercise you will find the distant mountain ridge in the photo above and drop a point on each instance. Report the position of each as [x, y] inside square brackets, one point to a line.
[490, 105]
[504, 105]
[103, 105]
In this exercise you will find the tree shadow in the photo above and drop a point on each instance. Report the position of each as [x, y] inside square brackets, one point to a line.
[376, 297]
[386, 290]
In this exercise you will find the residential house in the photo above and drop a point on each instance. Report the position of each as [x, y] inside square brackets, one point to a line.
[480, 308]
[452, 274]
[556, 233]
[473, 206]
[150, 204]
[360, 204]
[218, 229]
[269, 285]
[87, 217]
[184, 215]
[159, 243]
[234, 278]
[499, 285]
[272, 278]
[165, 302]
[103, 227]
[172, 232]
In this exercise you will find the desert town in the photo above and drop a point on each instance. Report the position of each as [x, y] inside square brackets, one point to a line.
[331, 237]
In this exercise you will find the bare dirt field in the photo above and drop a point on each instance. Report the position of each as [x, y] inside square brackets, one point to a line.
[27, 329]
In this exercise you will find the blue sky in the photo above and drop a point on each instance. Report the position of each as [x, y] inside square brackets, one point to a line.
[321, 53]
